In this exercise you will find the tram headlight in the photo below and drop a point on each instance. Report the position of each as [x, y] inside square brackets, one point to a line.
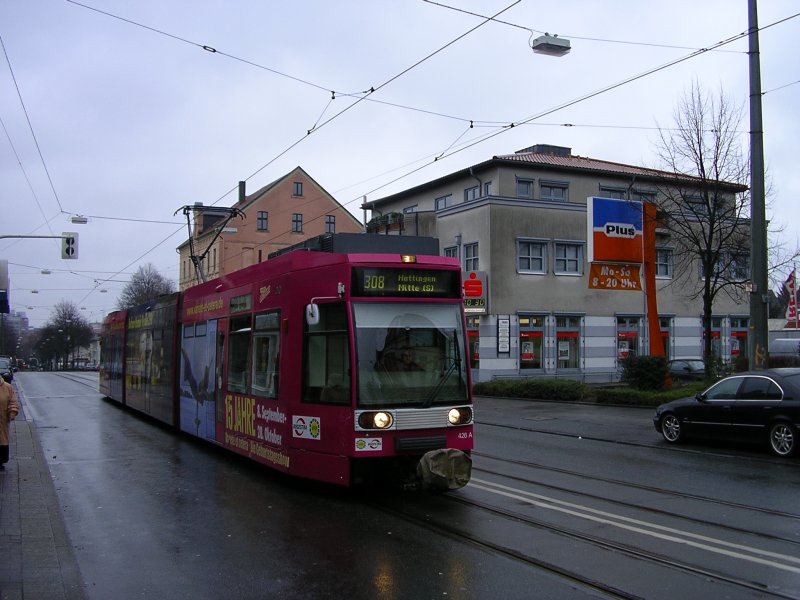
[375, 420]
[460, 416]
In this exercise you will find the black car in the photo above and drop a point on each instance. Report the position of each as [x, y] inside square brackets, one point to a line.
[756, 405]
[687, 368]
[5, 369]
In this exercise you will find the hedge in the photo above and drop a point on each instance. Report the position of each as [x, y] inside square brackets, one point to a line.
[540, 389]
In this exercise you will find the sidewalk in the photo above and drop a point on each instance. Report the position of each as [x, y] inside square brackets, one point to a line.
[36, 559]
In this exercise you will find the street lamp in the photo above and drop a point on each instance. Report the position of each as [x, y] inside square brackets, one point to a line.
[552, 45]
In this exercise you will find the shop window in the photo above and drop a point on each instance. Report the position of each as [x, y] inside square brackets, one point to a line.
[628, 341]
[473, 333]
[531, 341]
[568, 342]
[665, 324]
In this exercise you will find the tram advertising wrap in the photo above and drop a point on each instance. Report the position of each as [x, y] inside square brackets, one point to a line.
[345, 367]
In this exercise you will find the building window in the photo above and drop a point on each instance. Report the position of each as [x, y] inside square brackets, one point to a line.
[297, 188]
[330, 224]
[451, 251]
[531, 338]
[697, 206]
[664, 263]
[487, 188]
[214, 260]
[553, 192]
[410, 209]
[531, 256]
[472, 193]
[643, 196]
[259, 255]
[568, 342]
[524, 188]
[444, 201]
[568, 259]
[262, 220]
[471, 257]
[616, 193]
[739, 267]
[297, 223]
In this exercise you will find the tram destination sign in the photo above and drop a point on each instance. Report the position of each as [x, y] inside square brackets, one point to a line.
[614, 276]
[414, 283]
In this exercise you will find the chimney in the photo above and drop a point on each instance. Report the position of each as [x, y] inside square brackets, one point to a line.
[242, 194]
[546, 149]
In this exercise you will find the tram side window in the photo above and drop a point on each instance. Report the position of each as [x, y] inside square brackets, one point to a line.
[238, 347]
[266, 344]
[326, 358]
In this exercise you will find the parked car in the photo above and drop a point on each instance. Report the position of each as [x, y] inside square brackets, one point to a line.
[687, 368]
[5, 369]
[755, 405]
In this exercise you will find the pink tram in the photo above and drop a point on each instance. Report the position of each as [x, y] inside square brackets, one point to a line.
[330, 361]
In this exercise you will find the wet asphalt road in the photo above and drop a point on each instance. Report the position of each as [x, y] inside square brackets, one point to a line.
[154, 514]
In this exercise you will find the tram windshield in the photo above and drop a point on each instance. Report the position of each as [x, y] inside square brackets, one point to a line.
[410, 354]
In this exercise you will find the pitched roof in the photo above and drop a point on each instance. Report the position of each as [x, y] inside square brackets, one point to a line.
[556, 158]
[583, 163]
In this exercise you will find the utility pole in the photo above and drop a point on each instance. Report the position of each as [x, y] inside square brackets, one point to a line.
[759, 338]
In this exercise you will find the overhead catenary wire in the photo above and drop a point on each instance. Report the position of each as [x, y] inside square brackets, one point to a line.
[504, 128]
[571, 36]
[30, 127]
[324, 123]
[608, 88]
[500, 130]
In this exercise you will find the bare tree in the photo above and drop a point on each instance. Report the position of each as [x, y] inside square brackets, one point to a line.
[147, 283]
[66, 331]
[705, 206]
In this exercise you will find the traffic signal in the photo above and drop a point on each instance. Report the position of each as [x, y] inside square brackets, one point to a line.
[69, 245]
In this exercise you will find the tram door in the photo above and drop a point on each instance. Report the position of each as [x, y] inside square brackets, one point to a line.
[198, 380]
[324, 422]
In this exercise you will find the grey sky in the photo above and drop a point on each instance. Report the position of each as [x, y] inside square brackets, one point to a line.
[134, 123]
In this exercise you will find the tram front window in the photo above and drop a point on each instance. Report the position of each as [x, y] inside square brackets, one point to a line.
[409, 354]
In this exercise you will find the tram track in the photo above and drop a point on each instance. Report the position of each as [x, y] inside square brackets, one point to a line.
[627, 484]
[571, 536]
[628, 550]
[632, 444]
[90, 383]
[747, 560]
[502, 550]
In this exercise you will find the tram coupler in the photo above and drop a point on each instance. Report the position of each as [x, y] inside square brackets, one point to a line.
[444, 469]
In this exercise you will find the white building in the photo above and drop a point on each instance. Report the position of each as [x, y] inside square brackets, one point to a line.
[518, 222]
